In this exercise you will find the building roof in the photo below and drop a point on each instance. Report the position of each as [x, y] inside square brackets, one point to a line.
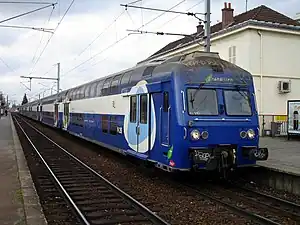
[260, 13]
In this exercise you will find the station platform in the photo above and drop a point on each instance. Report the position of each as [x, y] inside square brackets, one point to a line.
[19, 202]
[284, 155]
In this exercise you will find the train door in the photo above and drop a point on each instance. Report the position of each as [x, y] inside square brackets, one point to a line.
[66, 115]
[56, 114]
[139, 122]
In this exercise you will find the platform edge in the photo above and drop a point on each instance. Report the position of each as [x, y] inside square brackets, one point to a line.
[31, 203]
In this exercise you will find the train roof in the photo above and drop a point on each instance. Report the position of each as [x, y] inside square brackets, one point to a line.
[141, 70]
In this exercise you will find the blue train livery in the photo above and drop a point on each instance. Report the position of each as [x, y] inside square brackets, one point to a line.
[190, 112]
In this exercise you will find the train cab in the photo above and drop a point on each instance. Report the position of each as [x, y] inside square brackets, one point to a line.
[218, 127]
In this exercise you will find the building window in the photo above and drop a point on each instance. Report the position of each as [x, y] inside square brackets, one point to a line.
[232, 54]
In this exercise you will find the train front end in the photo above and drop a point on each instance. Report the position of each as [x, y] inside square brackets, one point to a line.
[219, 116]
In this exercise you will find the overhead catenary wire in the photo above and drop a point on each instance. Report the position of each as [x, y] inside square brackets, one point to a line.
[195, 5]
[150, 21]
[25, 2]
[193, 38]
[49, 18]
[24, 14]
[118, 41]
[155, 18]
[162, 10]
[52, 35]
[89, 59]
[6, 65]
[31, 28]
[175, 17]
[106, 28]
[98, 36]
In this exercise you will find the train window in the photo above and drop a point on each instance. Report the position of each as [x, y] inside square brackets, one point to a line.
[148, 71]
[115, 84]
[133, 109]
[166, 101]
[99, 88]
[104, 123]
[113, 125]
[76, 93]
[126, 77]
[106, 86]
[93, 90]
[87, 90]
[81, 92]
[143, 109]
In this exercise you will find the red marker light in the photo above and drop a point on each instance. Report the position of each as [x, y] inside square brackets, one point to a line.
[172, 163]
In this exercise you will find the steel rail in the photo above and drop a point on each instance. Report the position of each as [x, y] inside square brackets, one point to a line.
[254, 216]
[54, 177]
[146, 211]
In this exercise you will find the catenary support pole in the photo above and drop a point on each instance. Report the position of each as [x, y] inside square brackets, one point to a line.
[207, 25]
[58, 77]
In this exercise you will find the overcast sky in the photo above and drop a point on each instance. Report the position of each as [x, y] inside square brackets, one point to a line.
[87, 19]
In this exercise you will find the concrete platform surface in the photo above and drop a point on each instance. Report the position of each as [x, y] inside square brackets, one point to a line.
[19, 202]
[284, 155]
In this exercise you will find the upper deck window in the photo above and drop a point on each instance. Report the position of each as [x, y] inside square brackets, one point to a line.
[202, 102]
[237, 103]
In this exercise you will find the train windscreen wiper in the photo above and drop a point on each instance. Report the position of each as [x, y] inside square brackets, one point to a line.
[241, 93]
[199, 88]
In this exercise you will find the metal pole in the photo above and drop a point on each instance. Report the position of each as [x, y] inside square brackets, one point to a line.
[6, 101]
[58, 76]
[207, 25]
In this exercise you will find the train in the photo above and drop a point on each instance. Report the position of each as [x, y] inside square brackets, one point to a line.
[190, 112]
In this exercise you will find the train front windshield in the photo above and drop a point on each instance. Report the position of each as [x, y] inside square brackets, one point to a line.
[237, 103]
[203, 102]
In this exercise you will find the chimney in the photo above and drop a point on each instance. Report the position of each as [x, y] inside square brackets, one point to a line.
[199, 28]
[227, 15]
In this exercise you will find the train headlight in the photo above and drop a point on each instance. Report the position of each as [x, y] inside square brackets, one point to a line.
[251, 133]
[243, 134]
[195, 134]
[204, 135]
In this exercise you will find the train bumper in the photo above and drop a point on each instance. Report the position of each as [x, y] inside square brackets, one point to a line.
[225, 156]
[219, 157]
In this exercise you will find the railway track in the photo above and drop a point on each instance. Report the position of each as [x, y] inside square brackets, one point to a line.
[290, 209]
[94, 199]
[258, 207]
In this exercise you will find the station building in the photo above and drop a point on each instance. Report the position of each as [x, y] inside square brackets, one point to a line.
[262, 41]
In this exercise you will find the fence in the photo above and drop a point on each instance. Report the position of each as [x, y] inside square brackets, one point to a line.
[273, 125]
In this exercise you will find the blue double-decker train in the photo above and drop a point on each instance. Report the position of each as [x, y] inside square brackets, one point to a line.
[190, 112]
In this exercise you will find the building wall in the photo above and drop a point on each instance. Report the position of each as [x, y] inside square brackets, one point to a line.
[241, 41]
[276, 59]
